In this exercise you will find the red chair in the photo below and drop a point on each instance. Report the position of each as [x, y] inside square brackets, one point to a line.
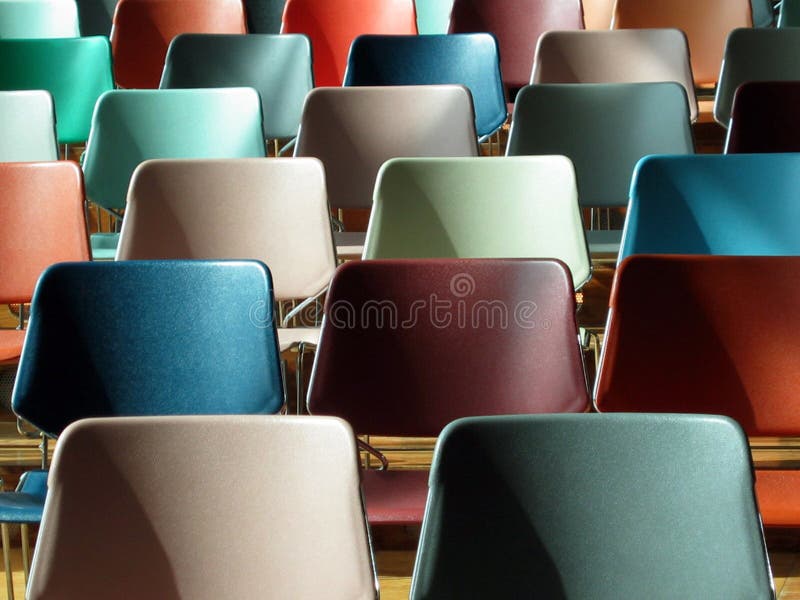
[408, 346]
[716, 335]
[332, 27]
[765, 118]
[143, 29]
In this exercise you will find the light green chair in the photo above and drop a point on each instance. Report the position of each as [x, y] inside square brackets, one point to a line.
[487, 207]
[433, 16]
[76, 71]
[27, 126]
[38, 19]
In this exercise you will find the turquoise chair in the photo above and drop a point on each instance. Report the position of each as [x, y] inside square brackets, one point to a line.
[737, 204]
[76, 71]
[38, 19]
[433, 16]
[789, 15]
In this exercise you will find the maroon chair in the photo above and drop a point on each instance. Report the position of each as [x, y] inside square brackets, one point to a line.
[408, 346]
[765, 118]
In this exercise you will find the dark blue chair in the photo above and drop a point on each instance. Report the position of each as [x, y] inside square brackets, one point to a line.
[736, 204]
[469, 59]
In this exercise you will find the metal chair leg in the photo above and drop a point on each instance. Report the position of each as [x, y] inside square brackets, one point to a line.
[7, 560]
[26, 551]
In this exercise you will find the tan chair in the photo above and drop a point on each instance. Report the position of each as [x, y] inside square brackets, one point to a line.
[205, 508]
[597, 13]
[706, 23]
[617, 56]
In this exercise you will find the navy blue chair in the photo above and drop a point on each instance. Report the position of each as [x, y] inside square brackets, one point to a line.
[469, 59]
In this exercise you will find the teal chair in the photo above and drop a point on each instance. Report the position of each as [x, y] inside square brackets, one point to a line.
[76, 71]
[763, 13]
[95, 16]
[38, 19]
[433, 16]
[789, 15]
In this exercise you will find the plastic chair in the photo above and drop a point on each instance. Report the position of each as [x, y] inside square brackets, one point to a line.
[76, 71]
[27, 126]
[604, 129]
[135, 480]
[264, 16]
[597, 13]
[517, 25]
[592, 506]
[763, 118]
[408, 346]
[95, 16]
[277, 66]
[332, 27]
[725, 318]
[755, 55]
[487, 207]
[433, 16]
[616, 56]
[763, 13]
[469, 59]
[143, 30]
[38, 19]
[789, 15]
[714, 204]
[706, 24]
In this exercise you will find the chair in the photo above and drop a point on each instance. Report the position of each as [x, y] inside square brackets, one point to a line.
[604, 129]
[409, 345]
[517, 25]
[264, 16]
[729, 323]
[76, 71]
[433, 16]
[135, 481]
[277, 66]
[789, 15]
[597, 13]
[95, 16]
[27, 126]
[143, 29]
[763, 13]
[763, 118]
[755, 55]
[615, 56]
[592, 506]
[272, 210]
[469, 59]
[38, 19]
[332, 27]
[706, 24]
[714, 204]
[487, 207]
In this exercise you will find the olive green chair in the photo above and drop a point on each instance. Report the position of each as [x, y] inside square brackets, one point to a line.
[587, 506]
[38, 19]
[76, 71]
[479, 207]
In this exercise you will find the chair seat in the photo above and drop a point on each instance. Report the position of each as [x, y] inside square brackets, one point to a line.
[291, 336]
[778, 495]
[349, 243]
[395, 497]
[604, 242]
[104, 245]
[11, 343]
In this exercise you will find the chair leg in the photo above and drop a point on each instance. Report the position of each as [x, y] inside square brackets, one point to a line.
[7, 560]
[26, 551]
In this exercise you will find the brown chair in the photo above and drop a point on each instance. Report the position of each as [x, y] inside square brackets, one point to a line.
[204, 507]
[409, 345]
[765, 118]
[706, 24]
[715, 335]
[143, 29]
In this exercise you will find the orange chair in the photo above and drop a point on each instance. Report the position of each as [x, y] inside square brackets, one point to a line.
[41, 222]
[332, 26]
[143, 29]
[706, 24]
[710, 334]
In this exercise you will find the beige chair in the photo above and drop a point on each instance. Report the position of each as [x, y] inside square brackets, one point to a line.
[597, 13]
[27, 126]
[205, 508]
[274, 210]
[354, 130]
[615, 56]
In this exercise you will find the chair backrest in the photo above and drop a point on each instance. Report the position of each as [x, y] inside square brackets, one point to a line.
[615, 56]
[755, 55]
[130, 126]
[274, 210]
[149, 338]
[277, 66]
[517, 25]
[143, 30]
[790, 14]
[706, 24]
[38, 19]
[95, 16]
[434, 340]
[264, 16]
[597, 13]
[764, 118]
[76, 71]
[518, 506]
[433, 16]
[603, 128]
[124, 495]
[332, 27]
[469, 59]
[479, 207]
[763, 13]
[27, 126]
[354, 130]
[42, 223]
[714, 204]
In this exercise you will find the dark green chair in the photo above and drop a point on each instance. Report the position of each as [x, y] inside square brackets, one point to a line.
[264, 16]
[587, 506]
[789, 15]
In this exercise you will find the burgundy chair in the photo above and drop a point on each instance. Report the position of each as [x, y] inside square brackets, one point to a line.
[408, 346]
[765, 118]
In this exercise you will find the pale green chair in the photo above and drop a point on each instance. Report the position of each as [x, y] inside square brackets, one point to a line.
[38, 19]
[27, 126]
[433, 16]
